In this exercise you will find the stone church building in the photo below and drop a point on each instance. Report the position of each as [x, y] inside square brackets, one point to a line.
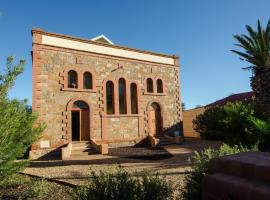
[94, 90]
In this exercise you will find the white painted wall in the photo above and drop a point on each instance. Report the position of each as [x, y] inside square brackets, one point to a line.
[66, 43]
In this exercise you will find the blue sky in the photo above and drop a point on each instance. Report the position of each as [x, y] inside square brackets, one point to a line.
[200, 32]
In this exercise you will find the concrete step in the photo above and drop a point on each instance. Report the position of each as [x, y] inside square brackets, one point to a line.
[163, 141]
[82, 149]
[81, 145]
[86, 150]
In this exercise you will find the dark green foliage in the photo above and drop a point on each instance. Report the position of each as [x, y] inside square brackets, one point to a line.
[208, 123]
[154, 188]
[200, 167]
[241, 126]
[17, 130]
[123, 185]
[236, 123]
[255, 48]
[183, 106]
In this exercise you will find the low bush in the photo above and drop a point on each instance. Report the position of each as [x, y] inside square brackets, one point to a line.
[40, 188]
[14, 180]
[235, 123]
[123, 185]
[200, 167]
[208, 124]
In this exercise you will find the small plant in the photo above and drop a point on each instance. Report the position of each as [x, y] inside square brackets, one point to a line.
[200, 168]
[154, 187]
[15, 180]
[40, 188]
[123, 185]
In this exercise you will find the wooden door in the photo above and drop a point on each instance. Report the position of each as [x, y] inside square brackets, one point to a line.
[158, 121]
[152, 122]
[85, 130]
[75, 125]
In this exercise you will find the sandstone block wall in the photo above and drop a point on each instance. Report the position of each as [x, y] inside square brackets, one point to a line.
[51, 99]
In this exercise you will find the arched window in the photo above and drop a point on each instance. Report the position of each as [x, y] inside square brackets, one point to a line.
[134, 98]
[87, 80]
[159, 86]
[149, 85]
[110, 97]
[80, 104]
[72, 79]
[122, 96]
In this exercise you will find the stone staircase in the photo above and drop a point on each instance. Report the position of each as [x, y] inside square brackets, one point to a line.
[163, 141]
[81, 150]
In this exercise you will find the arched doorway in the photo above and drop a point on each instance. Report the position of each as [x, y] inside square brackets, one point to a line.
[154, 119]
[80, 121]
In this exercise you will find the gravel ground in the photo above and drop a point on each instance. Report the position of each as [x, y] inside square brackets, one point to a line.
[172, 167]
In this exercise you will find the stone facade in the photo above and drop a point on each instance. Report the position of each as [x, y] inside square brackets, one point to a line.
[53, 100]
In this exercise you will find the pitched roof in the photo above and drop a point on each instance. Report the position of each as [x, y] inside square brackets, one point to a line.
[244, 97]
[102, 39]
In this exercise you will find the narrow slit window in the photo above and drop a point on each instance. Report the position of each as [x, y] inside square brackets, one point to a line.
[134, 98]
[87, 80]
[149, 83]
[72, 79]
[110, 97]
[122, 96]
[159, 86]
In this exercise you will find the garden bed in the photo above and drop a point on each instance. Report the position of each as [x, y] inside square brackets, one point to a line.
[141, 153]
[20, 186]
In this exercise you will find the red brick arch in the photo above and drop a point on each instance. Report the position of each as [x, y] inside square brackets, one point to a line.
[80, 73]
[69, 108]
[161, 112]
[155, 84]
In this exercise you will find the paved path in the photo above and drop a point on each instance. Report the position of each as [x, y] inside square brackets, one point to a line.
[77, 171]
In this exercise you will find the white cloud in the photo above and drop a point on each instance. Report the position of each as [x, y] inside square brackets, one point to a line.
[1, 14]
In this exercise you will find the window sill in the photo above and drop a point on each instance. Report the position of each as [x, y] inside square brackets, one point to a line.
[121, 115]
[78, 90]
[154, 93]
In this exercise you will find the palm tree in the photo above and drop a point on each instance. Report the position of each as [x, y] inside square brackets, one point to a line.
[256, 51]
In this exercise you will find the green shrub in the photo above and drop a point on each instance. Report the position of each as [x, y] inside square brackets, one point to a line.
[235, 123]
[154, 187]
[200, 168]
[15, 180]
[123, 185]
[17, 130]
[208, 123]
[40, 188]
[242, 127]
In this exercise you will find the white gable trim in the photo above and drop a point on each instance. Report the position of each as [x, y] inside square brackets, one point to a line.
[68, 43]
[104, 37]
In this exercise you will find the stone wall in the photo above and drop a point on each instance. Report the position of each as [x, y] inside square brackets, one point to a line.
[123, 128]
[52, 99]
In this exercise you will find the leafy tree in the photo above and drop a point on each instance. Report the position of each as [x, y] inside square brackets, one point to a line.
[17, 130]
[235, 123]
[256, 51]
[238, 126]
[184, 106]
[208, 123]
